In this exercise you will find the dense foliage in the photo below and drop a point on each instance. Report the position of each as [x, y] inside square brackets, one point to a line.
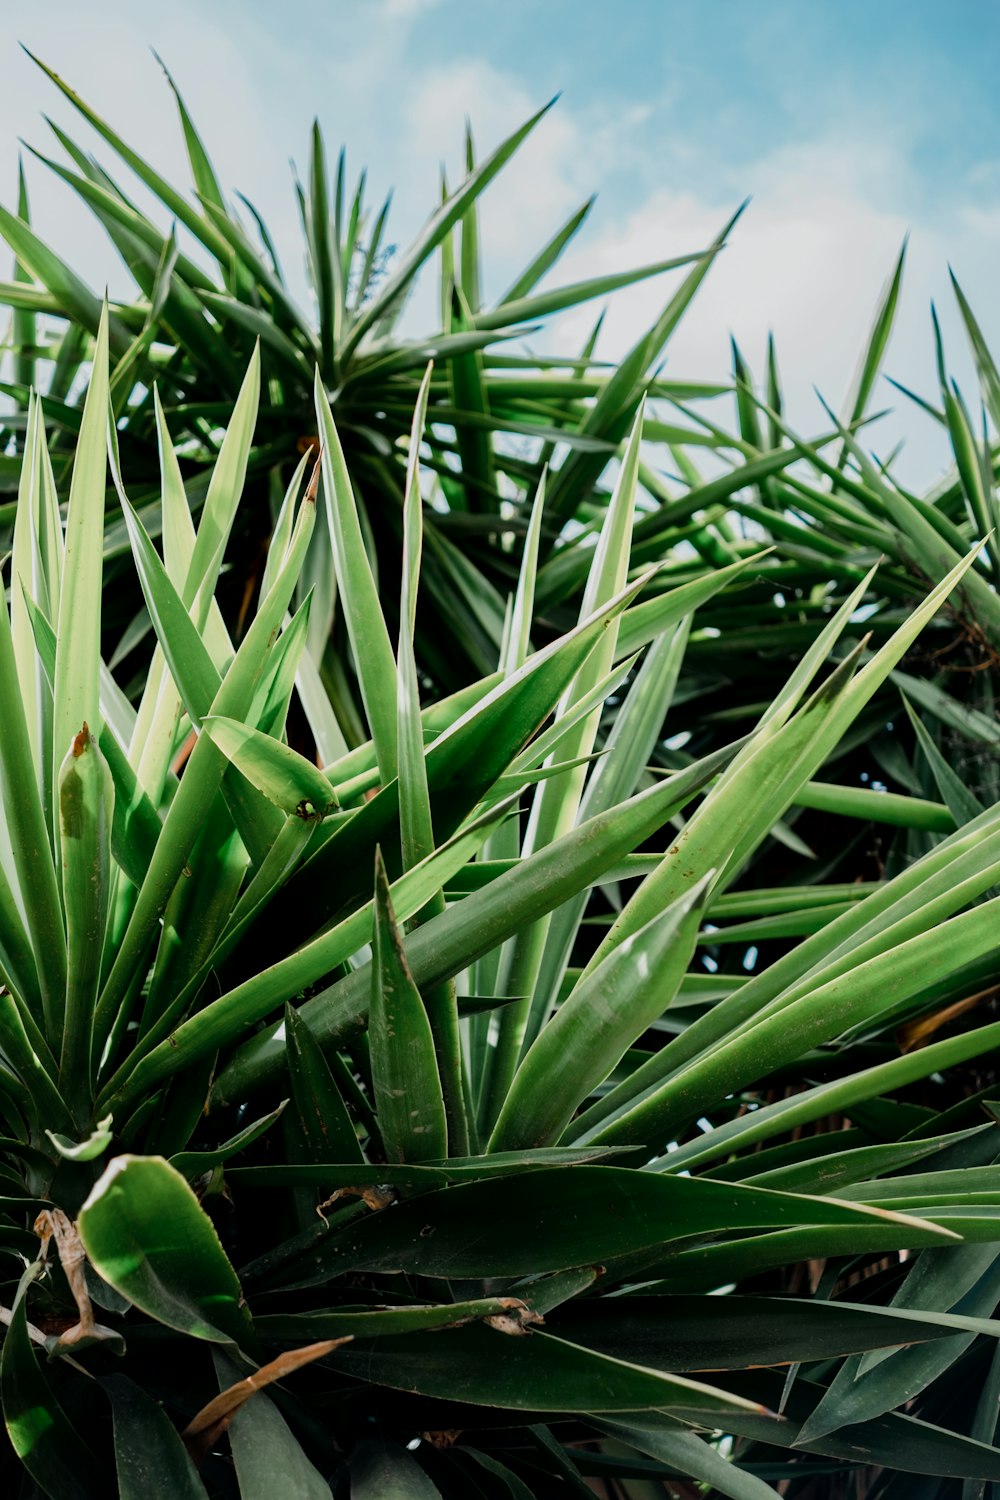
[197, 319]
[423, 996]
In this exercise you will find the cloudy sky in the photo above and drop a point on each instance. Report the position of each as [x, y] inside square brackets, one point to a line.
[848, 123]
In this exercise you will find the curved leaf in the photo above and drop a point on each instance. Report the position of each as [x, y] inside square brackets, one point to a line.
[152, 1462]
[43, 1438]
[145, 1232]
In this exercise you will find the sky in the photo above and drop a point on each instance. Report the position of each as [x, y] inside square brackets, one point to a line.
[847, 124]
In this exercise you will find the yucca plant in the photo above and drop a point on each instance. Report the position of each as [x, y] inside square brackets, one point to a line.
[709, 494]
[388, 1169]
[830, 511]
[198, 315]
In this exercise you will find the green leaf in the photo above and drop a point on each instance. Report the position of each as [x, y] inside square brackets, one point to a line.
[32, 946]
[952, 875]
[449, 943]
[514, 1487]
[151, 1460]
[643, 622]
[743, 1332]
[195, 1163]
[95, 1145]
[548, 255]
[86, 813]
[49, 1447]
[327, 1129]
[168, 1048]
[893, 1441]
[878, 807]
[470, 411]
[857, 1393]
[630, 742]
[145, 1232]
[828, 1173]
[546, 1225]
[961, 803]
[369, 638]
[324, 251]
[163, 275]
[612, 413]
[689, 1454]
[730, 822]
[332, 1324]
[177, 204]
[777, 761]
[184, 650]
[24, 322]
[71, 296]
[824, 1011]
[224, 490]
[202, 171]
[870, 364]
[26, 565]
[527, 309]
[380, 1469]
[600, 1019]
[78, 636]
[286, 778]
[533, 1373]
[408, 1098]
[989, 378]
[424, 1174]
[416, 827]
[439, 225]
[556, 802]
[201, 780]
[269, 1460]
[462, 764]
[416, 831]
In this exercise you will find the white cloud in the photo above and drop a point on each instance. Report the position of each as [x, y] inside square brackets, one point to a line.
[406, 10]
[806, 267]
[253, 98]
[121, 79]
[807, 261]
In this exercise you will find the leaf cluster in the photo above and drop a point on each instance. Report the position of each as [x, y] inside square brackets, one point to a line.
[467, 1028]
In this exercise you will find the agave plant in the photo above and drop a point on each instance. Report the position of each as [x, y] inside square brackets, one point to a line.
[386, 1112]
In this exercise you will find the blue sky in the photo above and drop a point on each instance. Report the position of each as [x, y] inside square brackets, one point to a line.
[849, 123]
